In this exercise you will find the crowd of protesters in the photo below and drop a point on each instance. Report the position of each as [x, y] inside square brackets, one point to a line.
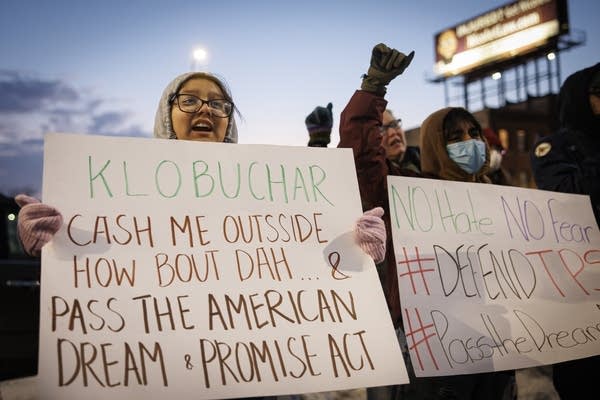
[453, 146]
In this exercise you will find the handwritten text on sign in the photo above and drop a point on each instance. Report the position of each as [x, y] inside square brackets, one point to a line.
[202, 270]
[494, 277]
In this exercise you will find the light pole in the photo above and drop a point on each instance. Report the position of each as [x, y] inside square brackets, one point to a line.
[199, 56]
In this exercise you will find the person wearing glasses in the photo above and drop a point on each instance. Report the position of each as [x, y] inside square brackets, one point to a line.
[397, 151]
[379, 148]
[378, 143]
[195, 106]
[568, 161]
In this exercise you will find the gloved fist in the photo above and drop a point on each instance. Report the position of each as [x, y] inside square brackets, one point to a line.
[319, 124]
[37, 223]
[371, 235]
[386, 64]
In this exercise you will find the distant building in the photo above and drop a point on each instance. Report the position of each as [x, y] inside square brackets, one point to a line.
[504, 67]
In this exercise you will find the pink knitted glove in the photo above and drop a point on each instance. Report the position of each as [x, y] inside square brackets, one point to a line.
[37, 224]
[371, 235]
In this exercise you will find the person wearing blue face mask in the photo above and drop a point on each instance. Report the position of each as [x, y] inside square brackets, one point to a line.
[453, 147]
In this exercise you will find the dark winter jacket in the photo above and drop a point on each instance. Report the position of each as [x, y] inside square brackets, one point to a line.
[569, 160]
[360, 124]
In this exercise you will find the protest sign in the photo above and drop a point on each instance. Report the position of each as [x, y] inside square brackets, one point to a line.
[206, 270]
[494, 277]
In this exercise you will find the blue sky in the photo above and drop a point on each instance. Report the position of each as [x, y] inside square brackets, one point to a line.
[99, 67]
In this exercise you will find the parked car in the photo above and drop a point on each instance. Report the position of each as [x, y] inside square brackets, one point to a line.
[19, 299]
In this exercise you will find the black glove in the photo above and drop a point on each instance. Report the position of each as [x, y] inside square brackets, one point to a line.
[386, 64]
[319, 124]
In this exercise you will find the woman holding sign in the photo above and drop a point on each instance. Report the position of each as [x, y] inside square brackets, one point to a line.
[454, 148]
[369, 130]
[195, 106]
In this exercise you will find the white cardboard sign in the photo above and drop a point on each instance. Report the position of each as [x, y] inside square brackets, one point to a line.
[206, 270]
[494, 277]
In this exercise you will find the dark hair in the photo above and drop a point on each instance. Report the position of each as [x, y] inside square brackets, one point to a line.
[211, 77]
[454, 117]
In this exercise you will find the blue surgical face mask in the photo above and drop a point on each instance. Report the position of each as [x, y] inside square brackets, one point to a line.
[469, 155]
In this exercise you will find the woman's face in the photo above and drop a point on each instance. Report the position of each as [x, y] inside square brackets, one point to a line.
[201, 125]
[393, 140]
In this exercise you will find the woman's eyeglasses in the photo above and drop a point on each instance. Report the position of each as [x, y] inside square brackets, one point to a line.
[188, 103]
[392, 125]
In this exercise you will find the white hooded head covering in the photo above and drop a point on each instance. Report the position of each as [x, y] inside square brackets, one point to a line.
[163, 126]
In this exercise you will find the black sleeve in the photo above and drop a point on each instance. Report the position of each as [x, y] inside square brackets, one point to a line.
[557, 165]
[565, 169]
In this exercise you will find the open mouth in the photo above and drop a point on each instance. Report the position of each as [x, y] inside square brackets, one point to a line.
[202, 127]
[395, 141]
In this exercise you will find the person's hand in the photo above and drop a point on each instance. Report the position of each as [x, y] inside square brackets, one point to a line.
[37, 223]
[386, 64]
[319, 124]
[371, 235]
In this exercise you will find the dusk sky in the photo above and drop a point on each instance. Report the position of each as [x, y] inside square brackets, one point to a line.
[99, 67]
